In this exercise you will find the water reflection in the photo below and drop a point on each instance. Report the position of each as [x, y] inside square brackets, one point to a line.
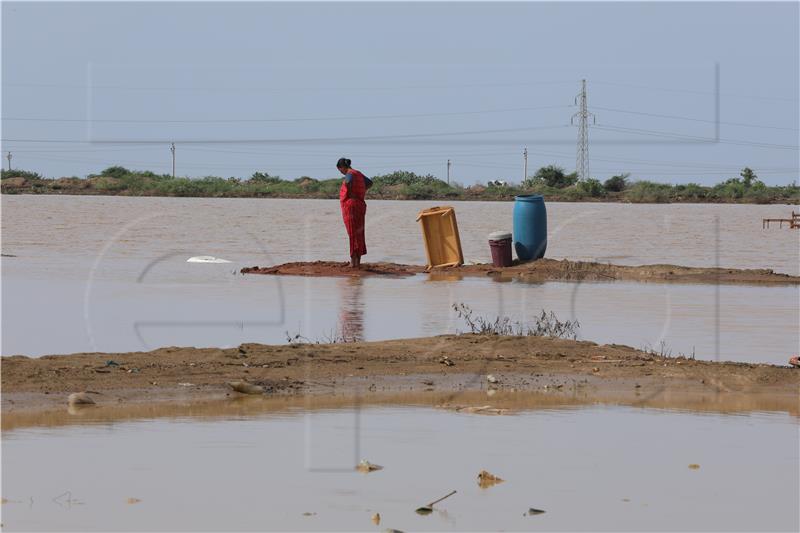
[351, 308]
[210, 475]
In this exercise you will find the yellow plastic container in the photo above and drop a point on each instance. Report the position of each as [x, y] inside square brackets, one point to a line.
[440, 233]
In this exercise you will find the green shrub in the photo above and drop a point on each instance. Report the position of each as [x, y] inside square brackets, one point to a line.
[17, 173]
[404, 177]
[616, 183]
[264, 177]
[591, 187]
[648, 192]
[552, 176]
[114, 172]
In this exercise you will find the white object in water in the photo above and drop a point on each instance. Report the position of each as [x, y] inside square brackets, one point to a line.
[206, 259]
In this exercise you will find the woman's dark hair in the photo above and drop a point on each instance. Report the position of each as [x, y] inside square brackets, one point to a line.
[343, 162]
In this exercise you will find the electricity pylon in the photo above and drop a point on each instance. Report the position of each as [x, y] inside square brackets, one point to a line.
[583, 115]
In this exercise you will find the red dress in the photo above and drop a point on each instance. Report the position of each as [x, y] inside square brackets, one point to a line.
[354, 211]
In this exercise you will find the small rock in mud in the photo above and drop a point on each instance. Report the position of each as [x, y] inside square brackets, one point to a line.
[376, 518]
[492, 379]
[245, 387]
[486, 479]
[365, 466]
[446, 361]
[79, 398]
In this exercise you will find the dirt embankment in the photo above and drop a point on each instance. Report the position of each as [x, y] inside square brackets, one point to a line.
[455, 363]
[539, 271]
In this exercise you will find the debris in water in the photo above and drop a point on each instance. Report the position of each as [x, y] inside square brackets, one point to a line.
[79, 398]
[307, 513]
[376, 519]
[391, 531]
[481, 410]
[795, 361]
[133, 500]
[245, 387]
[428, 509]
[206, 259]
[694, 466]
[533, 511]
[111, 362]
[365, 466]
[486, 480]
[186, 384]
[491, 379]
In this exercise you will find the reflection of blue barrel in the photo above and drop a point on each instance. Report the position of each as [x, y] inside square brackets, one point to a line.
[530, 226]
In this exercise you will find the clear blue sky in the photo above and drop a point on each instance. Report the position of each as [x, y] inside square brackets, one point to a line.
[401, 86]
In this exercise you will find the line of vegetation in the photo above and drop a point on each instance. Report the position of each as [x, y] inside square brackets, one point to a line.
[543, 325]
[551, 181]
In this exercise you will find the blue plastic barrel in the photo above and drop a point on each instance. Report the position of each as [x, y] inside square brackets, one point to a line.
[530, 226]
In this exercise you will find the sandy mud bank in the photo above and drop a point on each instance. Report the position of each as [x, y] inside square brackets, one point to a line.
[540, 271]
[451, 364]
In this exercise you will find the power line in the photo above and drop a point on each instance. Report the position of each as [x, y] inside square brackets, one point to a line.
[280, 89]
[679, 117]
[674, 135]
[298, 140]
[693, 91]
[294, 119]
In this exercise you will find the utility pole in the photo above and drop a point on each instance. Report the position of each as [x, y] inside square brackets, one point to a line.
[525, 164]
[582, 159]
[8, 156]
[172, 149]
[448, 172]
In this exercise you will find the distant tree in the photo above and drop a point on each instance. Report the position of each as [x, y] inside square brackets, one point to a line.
[616, 183]
[115, 172]
[264, 177]
[748, 177]
[552, 176]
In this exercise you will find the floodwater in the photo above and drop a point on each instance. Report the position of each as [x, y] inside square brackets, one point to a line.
[589, 467]
[110, 274]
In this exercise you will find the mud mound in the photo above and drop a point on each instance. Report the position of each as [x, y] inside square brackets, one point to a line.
[334, 269]
[540, 271]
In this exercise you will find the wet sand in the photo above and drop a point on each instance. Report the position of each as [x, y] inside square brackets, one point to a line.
[540, 271]
[443, 364]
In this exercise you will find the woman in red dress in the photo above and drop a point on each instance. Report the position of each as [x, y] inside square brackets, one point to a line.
[354, 208]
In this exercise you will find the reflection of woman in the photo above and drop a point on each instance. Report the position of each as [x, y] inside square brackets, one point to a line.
[354, 208]
[351, 309]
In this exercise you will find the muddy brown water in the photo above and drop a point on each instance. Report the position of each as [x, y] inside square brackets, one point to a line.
[110, 274]
[590, 467]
